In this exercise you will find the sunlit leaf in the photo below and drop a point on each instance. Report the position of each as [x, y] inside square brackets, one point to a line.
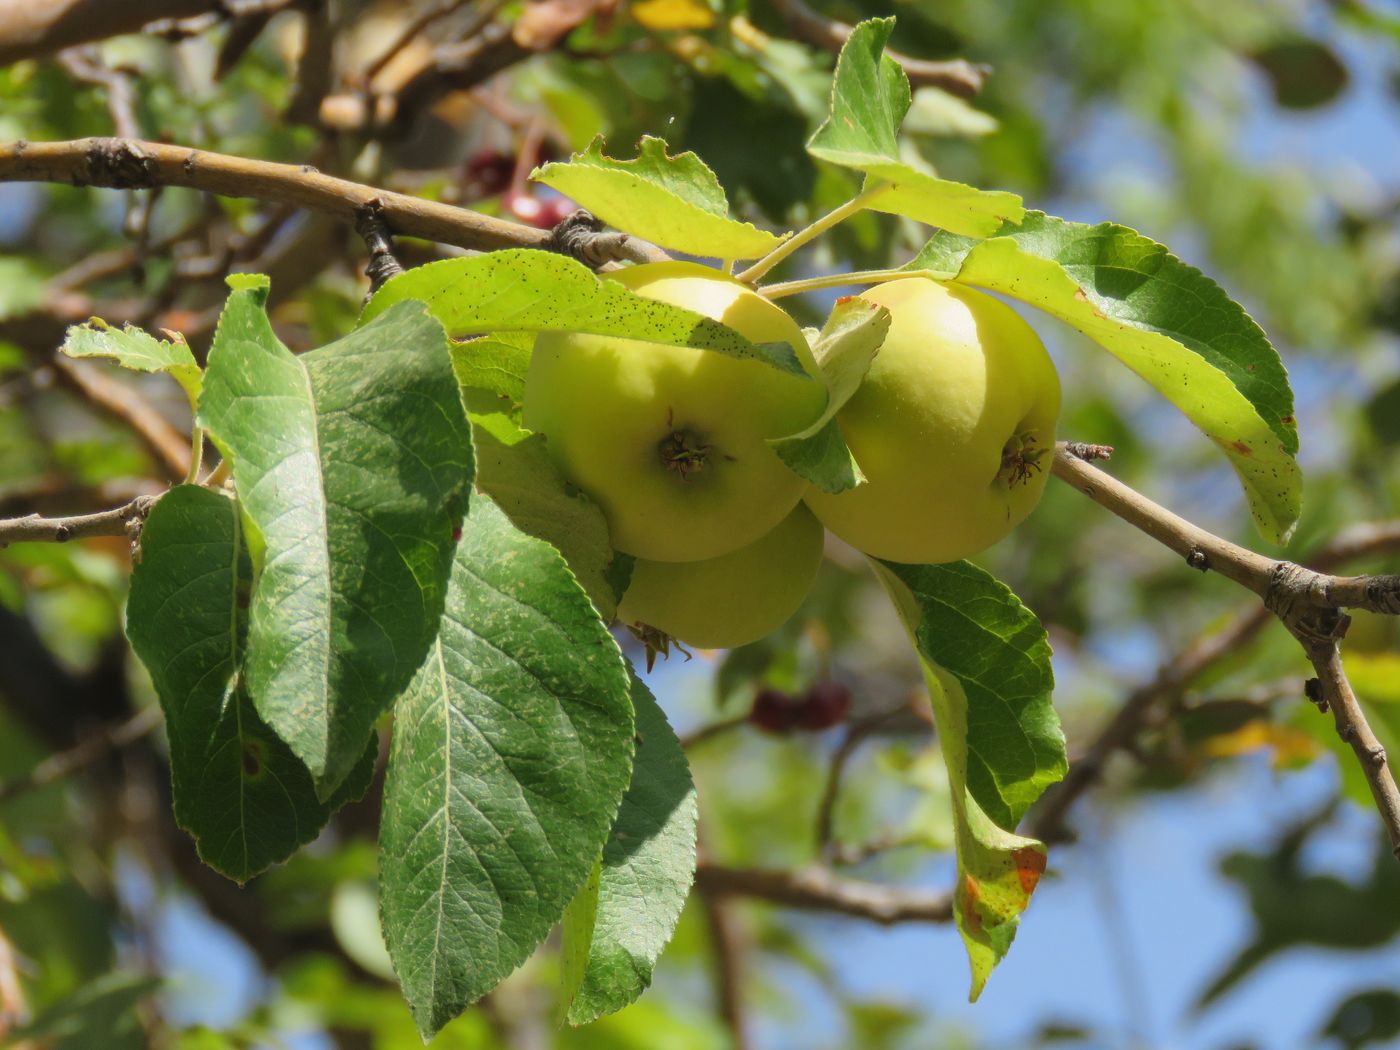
[869, 98]
[536, 291]
[986, 660]
[675, 202]
[133, 348]
[843, 351]
[1168, 322]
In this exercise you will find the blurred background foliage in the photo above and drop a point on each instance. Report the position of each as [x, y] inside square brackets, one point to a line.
[1224, 885]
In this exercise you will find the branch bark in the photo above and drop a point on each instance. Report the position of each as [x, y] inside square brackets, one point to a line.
[33, 28]
[132, 164]
[956, 76]
[1307, 602]
[817, 889]
[114, 522]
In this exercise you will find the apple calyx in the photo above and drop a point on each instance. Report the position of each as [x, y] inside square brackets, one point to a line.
[683, 453]
[1020, 459]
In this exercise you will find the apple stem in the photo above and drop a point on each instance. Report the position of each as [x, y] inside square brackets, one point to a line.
[857, 203]
[842, 280]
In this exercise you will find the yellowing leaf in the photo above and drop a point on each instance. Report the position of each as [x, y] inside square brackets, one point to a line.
[662, 15]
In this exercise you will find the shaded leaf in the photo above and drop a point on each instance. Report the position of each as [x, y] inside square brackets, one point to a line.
[100, 1013]
[353, 465]
[496, 363]
[620, 922]
[1168, 322]
[535, 291]
[986, 660]
[675, 202]
[247, 800]
[512, 749]
[1303, 73]
[515, 469]
[869, 98]
[843, 351]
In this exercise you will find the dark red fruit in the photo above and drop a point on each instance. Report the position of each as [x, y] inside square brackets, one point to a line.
[487, 173]
[824, 705]
[774, 711]
[541, 212]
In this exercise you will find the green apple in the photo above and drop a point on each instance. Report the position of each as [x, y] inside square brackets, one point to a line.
[954, 427]
[731, 600]
[671, 441]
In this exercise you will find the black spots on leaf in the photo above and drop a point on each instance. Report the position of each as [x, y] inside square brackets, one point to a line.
[253, 757]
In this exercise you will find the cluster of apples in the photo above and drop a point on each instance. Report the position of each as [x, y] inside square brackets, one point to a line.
[950, 426]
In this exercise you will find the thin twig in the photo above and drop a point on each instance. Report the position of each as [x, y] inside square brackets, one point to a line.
[1122, 729]
[957, 76]
[414, 27]
[712, 730]
[98, 745]
[1307, 602]
[1319, 640]
[122, 402]
[817, 889]
[729, 960]
[854, 735]
[85, 64]
[114, 522]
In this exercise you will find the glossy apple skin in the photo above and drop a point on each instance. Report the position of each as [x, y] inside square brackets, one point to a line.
[610, 409]
[734, 599]
[959, 376]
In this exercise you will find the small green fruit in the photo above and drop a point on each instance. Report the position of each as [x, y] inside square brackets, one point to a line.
[731, 600]
[954, 427]
[669, 441]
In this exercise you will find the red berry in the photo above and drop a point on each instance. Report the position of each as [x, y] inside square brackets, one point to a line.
[487, 172]
[773, 711]
[823, 705]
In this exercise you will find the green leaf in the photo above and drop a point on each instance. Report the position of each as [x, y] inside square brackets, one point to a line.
[353, 465]
[512, 749]
[675, 202]
[99, 1013]
[1168, 322]
[497, 363]
[844, 351]
[620, 923]
[137, 350]
[247, 800]
[986, 659]
[522, 289]
[21, 286]
[515, 469]
[869, 98]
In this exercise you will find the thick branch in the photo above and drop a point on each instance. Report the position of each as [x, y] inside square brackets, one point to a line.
[1282, 584]
[127, 164]
[113, 522]
[32, 28]
[816, 889]
[1306, 602]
